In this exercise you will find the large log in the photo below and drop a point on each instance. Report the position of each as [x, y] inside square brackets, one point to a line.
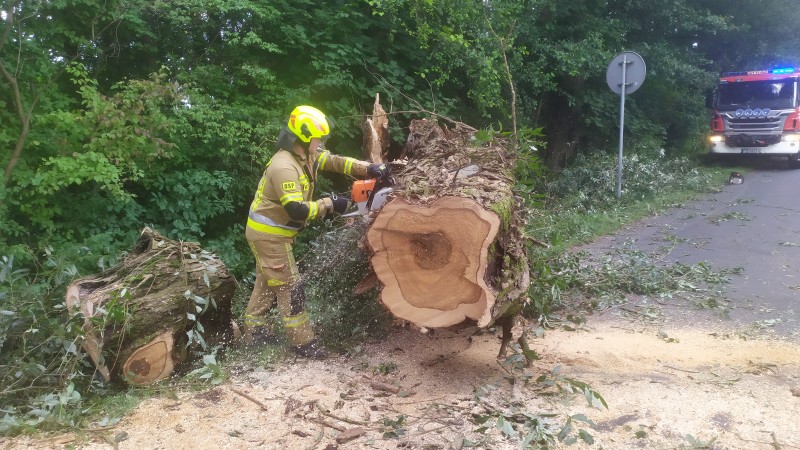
[145, 317]
[450, 246]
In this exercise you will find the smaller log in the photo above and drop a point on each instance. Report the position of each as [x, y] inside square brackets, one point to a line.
[144, 316]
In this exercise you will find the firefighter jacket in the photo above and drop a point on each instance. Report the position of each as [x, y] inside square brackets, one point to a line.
[283, 204]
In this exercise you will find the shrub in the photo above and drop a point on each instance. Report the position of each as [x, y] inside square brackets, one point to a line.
[590, 183]
[41, 365]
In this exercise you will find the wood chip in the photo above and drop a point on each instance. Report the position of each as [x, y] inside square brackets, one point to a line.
[328, 424]
[350, 434]
[378, 386]
[291, 405]
[57, 440]
[251, 398]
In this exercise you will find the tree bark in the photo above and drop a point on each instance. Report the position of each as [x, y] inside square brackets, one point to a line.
[143, 317]
[376, 134]
[563, 135]
[23, 115]
[24, 119]
[450, 245]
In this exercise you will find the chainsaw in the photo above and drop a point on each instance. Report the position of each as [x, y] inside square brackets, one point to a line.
[370, 195]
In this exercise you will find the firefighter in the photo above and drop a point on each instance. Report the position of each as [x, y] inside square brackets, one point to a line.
[281, 208]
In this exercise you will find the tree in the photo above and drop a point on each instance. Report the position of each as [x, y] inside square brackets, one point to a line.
[37, 41]
[757, 35]
[570, 47]
[228, 72]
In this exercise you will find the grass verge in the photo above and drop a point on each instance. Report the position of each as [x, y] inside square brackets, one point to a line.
[580, 206]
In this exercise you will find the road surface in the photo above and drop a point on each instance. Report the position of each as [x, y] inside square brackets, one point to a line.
[754, 225]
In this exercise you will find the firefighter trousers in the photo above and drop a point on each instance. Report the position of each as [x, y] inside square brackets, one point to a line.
[277, 279]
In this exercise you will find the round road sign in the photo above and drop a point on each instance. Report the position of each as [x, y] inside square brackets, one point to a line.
[634, 72]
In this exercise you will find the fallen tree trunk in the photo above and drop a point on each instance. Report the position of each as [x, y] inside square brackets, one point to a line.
[450, 245]
[145, 316]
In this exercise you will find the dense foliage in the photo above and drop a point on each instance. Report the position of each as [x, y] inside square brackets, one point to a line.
[124, 113]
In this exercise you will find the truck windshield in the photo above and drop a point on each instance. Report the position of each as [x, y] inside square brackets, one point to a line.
[773, 94]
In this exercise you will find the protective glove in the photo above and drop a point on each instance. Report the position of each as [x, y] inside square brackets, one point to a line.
[379, 171]
[340, 203]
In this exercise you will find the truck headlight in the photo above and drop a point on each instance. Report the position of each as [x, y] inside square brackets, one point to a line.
[714, 138]
[791, 138]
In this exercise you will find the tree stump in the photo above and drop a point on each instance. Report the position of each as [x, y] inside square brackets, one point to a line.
[144, 317]
[450, 246]
[375, 130]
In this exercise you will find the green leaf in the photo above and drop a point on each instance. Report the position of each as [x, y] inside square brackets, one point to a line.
[528, 439]
[480, 419]
[566, 430]
[531, 355]
[583, 418]
[593, 396]
[504, 426]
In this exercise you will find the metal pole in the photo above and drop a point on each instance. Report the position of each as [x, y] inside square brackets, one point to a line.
[621, 125]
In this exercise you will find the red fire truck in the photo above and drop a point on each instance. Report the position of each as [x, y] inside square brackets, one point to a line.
[757, 112]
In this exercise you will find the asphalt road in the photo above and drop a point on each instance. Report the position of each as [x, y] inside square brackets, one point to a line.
[754, 225]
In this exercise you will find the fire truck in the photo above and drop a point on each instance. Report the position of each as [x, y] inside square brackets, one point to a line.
[757, 113]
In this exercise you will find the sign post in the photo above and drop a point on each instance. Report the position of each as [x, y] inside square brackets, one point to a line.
[624, 75]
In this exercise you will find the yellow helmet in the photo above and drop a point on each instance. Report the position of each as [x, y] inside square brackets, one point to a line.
[307, 122]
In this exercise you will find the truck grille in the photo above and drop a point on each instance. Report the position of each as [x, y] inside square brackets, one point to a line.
[760, 124]
[746, 140]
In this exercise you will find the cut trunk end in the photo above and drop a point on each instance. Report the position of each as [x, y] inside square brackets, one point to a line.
[432, 260]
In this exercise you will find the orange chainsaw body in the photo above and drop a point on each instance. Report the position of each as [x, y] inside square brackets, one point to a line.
[368, 195]
[362, 189]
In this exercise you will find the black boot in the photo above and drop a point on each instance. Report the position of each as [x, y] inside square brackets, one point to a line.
[263, 336]
[311, 350]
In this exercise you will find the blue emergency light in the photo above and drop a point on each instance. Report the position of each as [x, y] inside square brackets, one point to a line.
[783, 71]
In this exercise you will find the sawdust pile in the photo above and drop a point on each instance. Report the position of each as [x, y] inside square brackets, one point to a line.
[665, 388]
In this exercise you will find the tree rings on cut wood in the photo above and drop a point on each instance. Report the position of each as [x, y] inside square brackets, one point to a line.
[153, 361]
[437, 258]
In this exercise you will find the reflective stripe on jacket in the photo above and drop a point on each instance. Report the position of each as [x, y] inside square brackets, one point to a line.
[291, 178]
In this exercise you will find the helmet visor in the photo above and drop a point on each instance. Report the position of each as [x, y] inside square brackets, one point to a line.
[331, 126]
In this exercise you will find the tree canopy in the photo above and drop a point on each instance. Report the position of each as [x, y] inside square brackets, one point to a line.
[118, 114]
